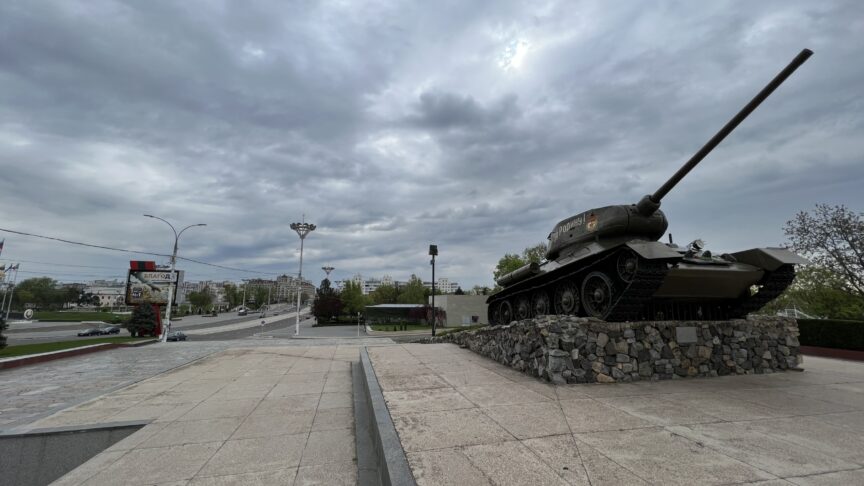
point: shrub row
(828, 333)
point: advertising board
(148, 287)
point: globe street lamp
(167, 327)
(302, 230)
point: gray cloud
(473, 125)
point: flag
(14, 267)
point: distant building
(108, 296)
(286, 288)
(368, 285)
(463, 310)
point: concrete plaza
(266, 415)
(463, 419)
(280, 411)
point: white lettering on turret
(568, 226)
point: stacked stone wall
(567, 349)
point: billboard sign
(148, 287)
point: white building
(108, 296)
(369, 285)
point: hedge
(829, 333)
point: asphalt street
(45, 332)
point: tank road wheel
(523, 308)
(597, 293)
(494, 314)
(540, 303)
(566, 299)
(505, 312)
(627, 264)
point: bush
(829, 333)
(142, 322)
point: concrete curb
(367, 457)
(398, 333)
(393, 466)
(66, 353)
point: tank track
(772, 285)
(628, 304)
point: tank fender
(653, 250)
(769, 258)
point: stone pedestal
(567, 349)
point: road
(278, 323)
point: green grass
(409, 327)
(58, 316)
(25, 349)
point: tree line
(331, 303)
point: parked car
(95, 331)
(110, 330)
(242, 312)
(176, 336)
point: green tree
(459, 291)
(142, 322)
(819, 292)
(233, 295)
(414, 292)
(833, 238)
(385, 294)
(480, 290)
(88, 299)
(353, 300)
(511, 261)
(40, 291)
(327, 304)
(535, 253)
(260, 294)
(201, 300)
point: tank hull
(638, 279)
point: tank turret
(607, 262)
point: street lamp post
(433, 251)
(302, 230)
(167, 328)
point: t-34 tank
(608, 263)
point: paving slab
(30, 393)
(465, 419)
(235, 431)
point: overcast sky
(392, 125)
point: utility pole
(173, 281)
(12, 290)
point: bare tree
(833, 238)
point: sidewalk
(267, 415)
(463, 419)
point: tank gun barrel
(649, 204)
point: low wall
(567, 349)
(39, 457)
